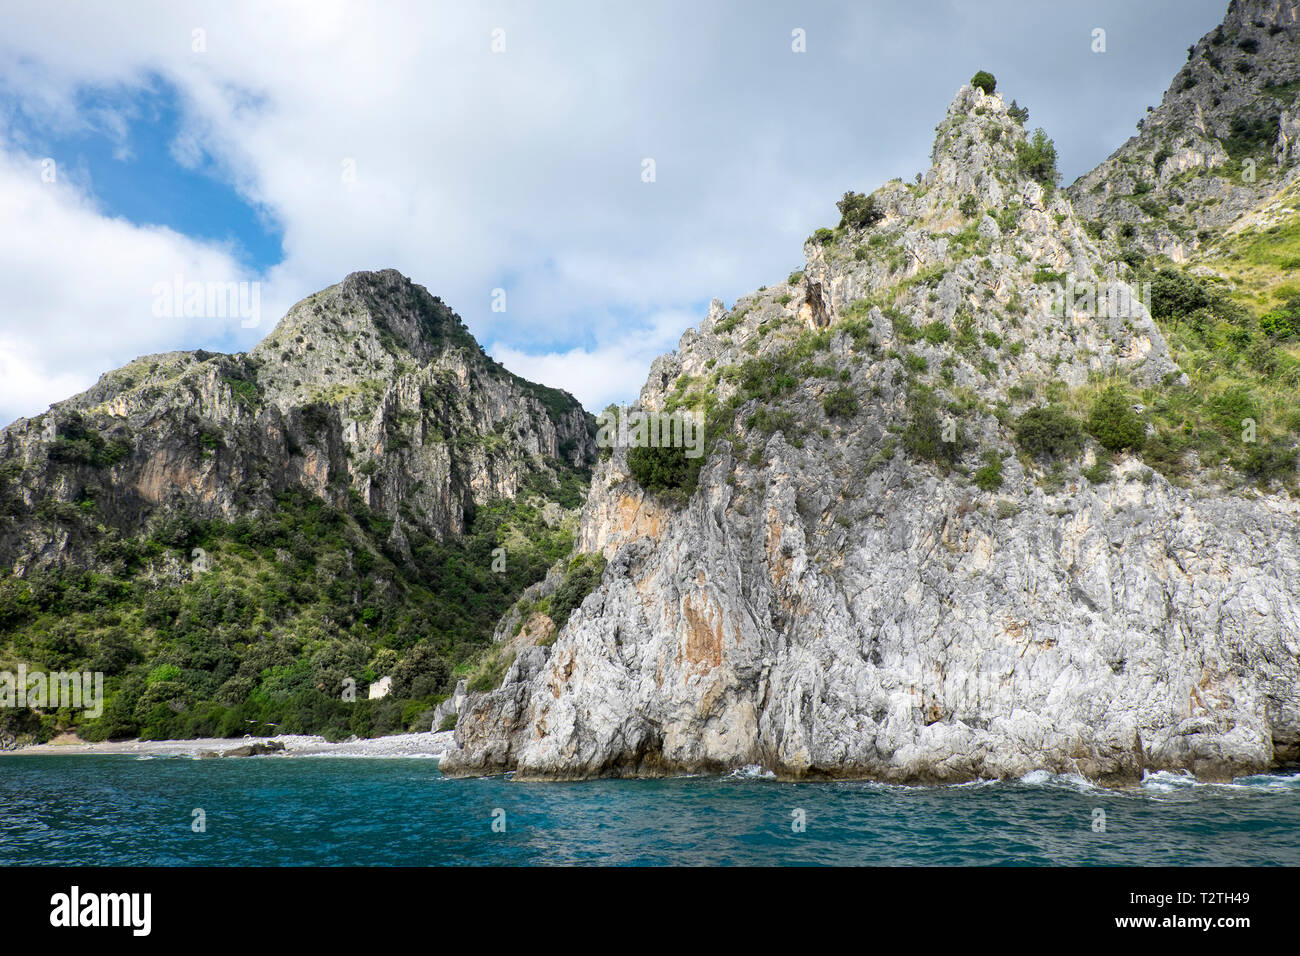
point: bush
(1018, 113)
(989, 478)
(1282, 323)
(581, 578)
(422, 673)
(79, 444)
(1036, 158)
(970, 206)
(983, 80)
(16, 602)
(858, 211)
(1114, 423)
(927, 434)
(1231, 408)
(1269, 460)
(1098, 474)
(664, 469)
(1049, 431)
(841, 403)
(1176, 295)
(823, 235)
(936, 332)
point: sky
(496, 153)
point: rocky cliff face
(1224, 140)
(879, 571)
(241, 543)
(371, 389)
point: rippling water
(124, 810)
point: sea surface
(323, 811)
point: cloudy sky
(482, 146)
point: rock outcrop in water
(879, 571)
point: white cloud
(610, 372)
(79, 287)
(477, 170)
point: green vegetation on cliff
(295, 604)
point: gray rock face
(827, 604)
(1103, 631)
(371, 387)
(1222, 140)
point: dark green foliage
(970, 206)
(1049, 431)
(567, 487)
(1267, 461)
(989, 477)
(1283, 322)
(1100, 473)
(16, 601)
(1177, 295)
(1113, 422)
(317, 421)
(841, 403)
(301, 597)
(1231, 408)
(665, 468)
(903, 327)
(1036, 158)
(22, 723)
(79, 444)
(243, 384)
(823, 236)
(930, 433)
(1250, 135)
(422, 672)
(858, 211)
(936, 332)
(1018, 113)
(559, 405)
(983, 80)
(581, 578)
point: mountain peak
(365, 328)
(1222, 140)
(975, 147)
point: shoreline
(431, 745)
(435, 745)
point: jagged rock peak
(386, 303)
(1222, 141)
(976, 140)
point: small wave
(1069, 781)
(1269, 781)
(752, 772)
(1166, 781)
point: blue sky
(125, 156)
(214, 140)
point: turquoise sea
(127, 810)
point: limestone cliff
(898, 560)
(241, 543)
(371, 388)
(1224, 140)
